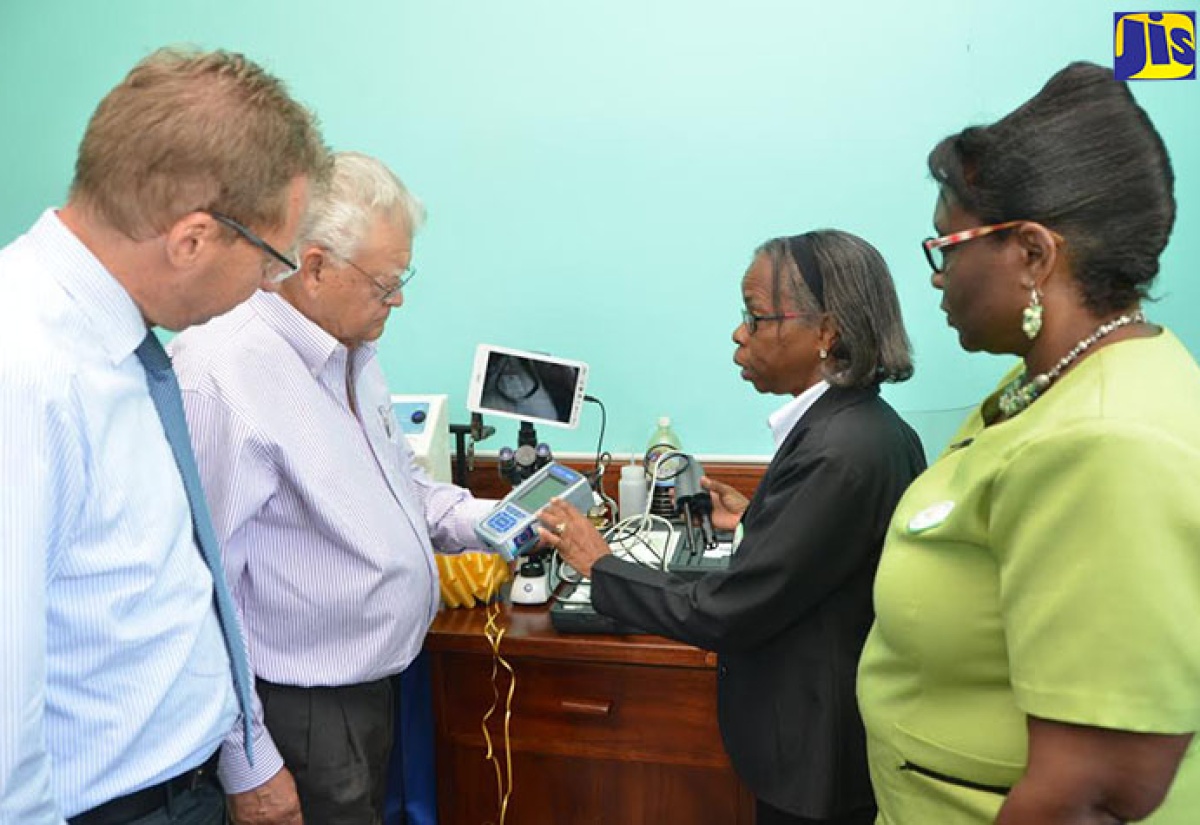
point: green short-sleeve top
(1047, 565)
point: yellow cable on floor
(465, 580)
(494, 633)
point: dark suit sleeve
(820, 519)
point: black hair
(1082, 158)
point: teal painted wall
(597, 175)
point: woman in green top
(1036, 651)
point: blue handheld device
(511, 527)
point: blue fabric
(164, 391)
(412, 781)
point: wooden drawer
(559, 790)
(625, 712)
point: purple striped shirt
(326, 524)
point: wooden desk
(605, 729)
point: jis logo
(1154, 45)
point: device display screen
(538, 496)
(529, 388)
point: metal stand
(464, 449)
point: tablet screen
(528, 386)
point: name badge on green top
(930, 517)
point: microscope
(528, 387)
(518, 464)
(531, 585)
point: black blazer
(790, 615)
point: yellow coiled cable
(504, 780)
(467, 579)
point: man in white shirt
(327, 526)
(122, 667)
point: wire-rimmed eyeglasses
(752, 321)
(390, 288)
(250, 237)
(935, 248)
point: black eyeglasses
(289, 265)
(387, 290)
(752, 321)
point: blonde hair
(187, 131)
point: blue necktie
(164, 391)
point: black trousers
(764, 814)
(336, 741)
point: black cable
(603, 424)
(649, 460)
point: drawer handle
(585, 707)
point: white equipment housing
(425, 421)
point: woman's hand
(728, 504)
(570, 533)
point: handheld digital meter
(511, 527)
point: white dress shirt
(326, 524)
(784, 419)
(113, 670)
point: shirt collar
(316, 347)
(786, 417)
(110, 310)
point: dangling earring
(1031, 316)
(823, 353)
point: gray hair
(860, 298)
(360, 189)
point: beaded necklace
(1024, 390)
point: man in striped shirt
(116, 667)
(328, 528)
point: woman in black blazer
(789, 616)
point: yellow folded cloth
(470, 578)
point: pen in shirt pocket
(385, 417)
